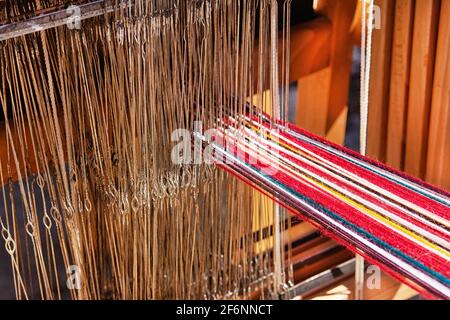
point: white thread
(366, 55)
(366, 48)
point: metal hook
(29, 228)
(124, 205)
(56, 215)
(135, 204)
(144, 50)
(47, 221)
(87, 204)
(5, 233)
(120, 32)
(69, 211)
(10, 246)
(40, 181)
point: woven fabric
(395, 221)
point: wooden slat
(422, 69)
(399, 87)
(390, 289)
(319, 247)
(330, 261)
(379, 82)
(319, 264)
(438, 160)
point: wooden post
(322, 96)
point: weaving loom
(96, 97)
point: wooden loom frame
(320, 54)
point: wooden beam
(310, 47)
(310, 50)
(322, 96)
(341, 13)
(52, 18)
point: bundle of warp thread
(395, 221)
(88, 121)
